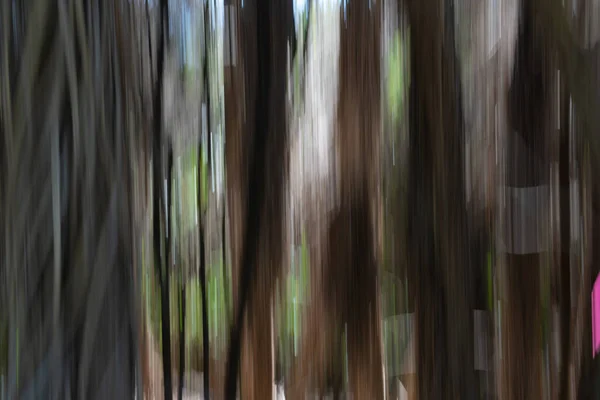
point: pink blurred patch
(596, 316)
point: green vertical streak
(490, 286)
(204, 180)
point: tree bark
(66, 209)
(440, 268)
(162, 274)
(202, 260)
(530, 123)
(565, 246)
(263, 224)
(264, 28)
(182, 304)
(348, 264)
(202, 244)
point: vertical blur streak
(205, 346)
(527, 163)
(182, 305)
(437, 221)
(565, 241)
(161, 263)
(255, 193)
(202, 261)
(258, 254)
(67, 231)
(423, 137)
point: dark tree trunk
(148, 20)
(588, 386)
(527, 166)
(565, 246)
(182, 304)
(165, 295)
(265, 67)
(71, 311)
(202, 260)
(255, 191)
(162, 265)
(441, 270)
(205, 344)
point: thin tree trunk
(237, 145)
(166, 283)
(162, 273)
(202, 259)
(224, 256)
(205, 344)
(565, 247)
(182, 304)
(148, 20)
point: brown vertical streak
(347, 264)
(260, 250)
(565, 245)
(440, 269)
(530, 121)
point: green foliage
(215, 285)
(217, 321)
(215, 299)
(189, 170)
(290, 309)
(190, 73)
(398, 77)
(189, 166)
(204, 182)
(297, 290)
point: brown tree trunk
(565, 246)
(237, 106)
(527, 168)
(344, 277)
(258, 254)
(358, 134)
(440, 269)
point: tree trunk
(441, 270)
(203, 294)
(182, 303)
(527, 167)
(161, 264)
(67, 201)
(165, 289)
(565, 246)
(263, 221)
(348, 264)
(201, 238)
